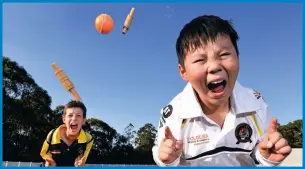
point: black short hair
(74, 104)
(201, 30)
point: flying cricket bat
(65, 81)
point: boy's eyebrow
(196, 53)
(226, 48)
(202, 53)
(199, 55)
(76, 112)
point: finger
(272, 126)
(280, 144)
(169, 143)
(166, 157)
(78, 162)
(179, 144)
(168, 133)
(285, 150)
(273, 139)
(167, 150)
(83, 158)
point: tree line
(28, 117)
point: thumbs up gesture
(274, 147)
(170, 148)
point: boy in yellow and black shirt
(69, 144)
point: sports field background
(294, 159)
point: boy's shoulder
(249, 94)
(88, 136)
(172, 106)
(50, 134)
(251, 100)
(169, 113)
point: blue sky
(128, 78)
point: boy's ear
(183, 73)
(84, 121)
(63, 118)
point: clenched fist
(274, 147)
(170, 149)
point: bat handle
(75, 95)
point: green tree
(26, 107)
(28, 118)
(104, 137)
(293, 133)
(145, 137)
(123, 150)
(56, 116)
(144, 142)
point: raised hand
(170, 148)
(274, 147)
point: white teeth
(217, 82)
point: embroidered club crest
(243, 133)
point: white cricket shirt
(205, 143)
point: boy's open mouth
(217, 86)
(73, 126)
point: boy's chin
(217, 101)
(73, 132)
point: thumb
(272, 126)
(83, 158)
(168, 133)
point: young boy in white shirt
(215, 121)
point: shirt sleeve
(44, 153)
(174, 123)
(87, 151)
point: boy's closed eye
(224, 54)
(199, 60)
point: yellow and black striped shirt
(64, 155)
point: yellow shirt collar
(56, 137)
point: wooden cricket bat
(65, 81)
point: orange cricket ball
(104, 23)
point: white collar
(242, 101)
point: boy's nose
(214, 67)
(73, 117)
